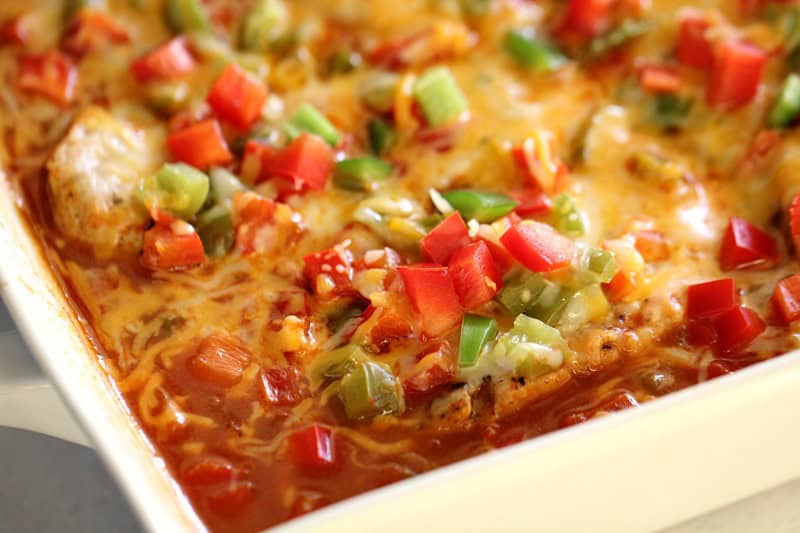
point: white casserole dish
(640, 470)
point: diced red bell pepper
(737, 328)
(786, 298)
(330, 272)
(201, 145)
(313, 448)
(617, 402)
(586, 17)
(282, 386)
(237, 97)
(794, 220)
(537, 159)
(502, 259)
(91, 31)
(173, 246)
(711, 298)
(735, 75)
(208, 471)
(746, 246)
(51, 74)
(254, 161)
(431, 292)
(538, 247)
(701, 332)
(170, 61)
(694, 48)
(659, 79)
(443, 240)
(305, 164)
(475, 275)
(620, 286)
(531, 202)
(251, 213)
(220, 360)
(433, 370)
(13, 31)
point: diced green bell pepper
(566, 217)
(378, 91)
(215, 228)
(669, 111)
(336, 364)
(531, 52)
(439, 97)
(584, 306)
(520, 295)
(787, 106)
(370, 389)
(381, 136)
(178, 188)
(263, 24)
(224, 186)
(308, 119)
(482, 206)
(476, 331)
(186, 16)
(627, 30)
(361, 173)
(530, 347)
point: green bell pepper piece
(370, 389)
(482, 206)
(336, 364)
(787, 106)
(531, 52)
(361, 173)
(381, 136)
(215, 228)
(439, 97)
(308, 119)
(186, 16)
(476, 331)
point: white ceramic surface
(640, 470)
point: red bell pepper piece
(251, 213)
(231, 499)
(786, 298)
(170, 61)
(51, 74)
(532, 202)
(201, 145)
(443, 240)
(694, 49)
(620, 286)
(502, 259)
(746, 246)
(711, 298)
(330, 272)
(475, 275)
(794, 219)
(13, 31)
(658, 79)
(431, 292)
(735, 75)
(538, 247)
(586, 17)
(91, 31)
(237, 97)
(173, 246)
(282, 386)
(220, 360)
(304, 164)
(433, 370)
(651, 245)
(312, 448)
(736, 328)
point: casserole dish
(642, 470)
(316, 248)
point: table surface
(51, 485)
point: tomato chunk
(443, 240)
(735, 75)
(434, 369)
(737, 328)
(305, 164)
(51, 74)
(282, 386)
(201, 145)
(169, 61)
(251, 214)
(746, 246)
(330, 272)
(208, 471)
(431, 292)
(586, 17)
(711, 298)
(172, 246)
(694, 49)
(786, 298)
(538, 246)
(312, 448)
(220, 360)
(475, 275)
(91, 31)
(237, 97)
